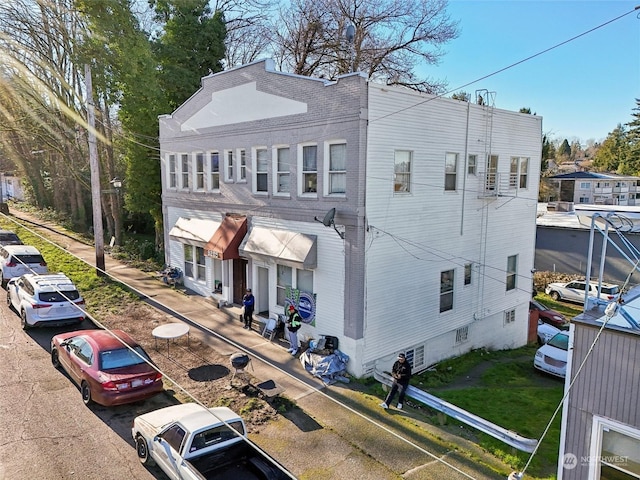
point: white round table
(170, 331)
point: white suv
(16, 260)
(574, 291)
(45, 300)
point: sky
(582, 89)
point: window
(200, 263)
(467, 274)
(446, 290)
(283, 280)
(492, 172)
(472, 164)
(402, 171)
(228, 166)
(524, 172)
(243, 166)
(462, 335)
(200, 171)
(615, 450)
(509, 316)
(304, 280)
(450, 171)
(512, 269)
(513, 173)
(337, 168)
(174, 436)
(282, 170)
(309, 169)
(214, 170)
(173, 179)
(261, 180)
(415, 357)
(584, 200)
(585, 185)
(188, 260)
(184, 170)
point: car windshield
(30, 259)
(62, 296)
(610, 290)
(122, 357)
(538, 305)
(560, 340)
(11, 238)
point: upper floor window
(472, 164)
(200, 171)
(337, 168)
(450, 171)
(518, 172)
(402, 171)
(512, 271)
(309, 169)
(446, 290)
(585, 185)
(467, 274)
(214, 170)
(260, 177)
(283, 169)
(173, 175)
(242, 173)
(228, 165)
(184, 170)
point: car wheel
(555, 295)
(142, 449)
(55, 358)
(23, 320)
(85, 389)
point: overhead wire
(246, 351)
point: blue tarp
(328, 368)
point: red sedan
(109, 366)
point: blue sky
(582, 89)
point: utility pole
(94, 165)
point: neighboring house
(596, 188)
(10, 187)
(600, 431)
(430, 247)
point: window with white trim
(509, 316)
(450, 171)
(242, 169)
(337, 181)
(513, 173)
(194, 262)
(524, 172)
(467, 273)
(283, 170)
(583, 200)
(184, 170)
(228, 165)
(199, 171)
(472, 164)
(188, 260)
(615, 450)
(304, 280)
(585, 185)
(518, 172)
(402, 171)
(260, 179)
(173, 174)
(446, 290)
(284, 279)
(214, 170)
(512, 272)
(309, 162)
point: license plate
(136, 383)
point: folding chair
(270, 328)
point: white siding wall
(413, 238)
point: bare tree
(391, 39)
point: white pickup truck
(191, 442)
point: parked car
(552, 356)
(547, 315)
(574, 291)
(110, 367)
(547, 331)
(16, 260)
(7, 237)
(45, 300)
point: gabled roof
(591, 176)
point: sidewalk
(328, 440)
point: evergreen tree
(633, 139)
(612, 156)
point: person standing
(249, 302)
(293, 325)
(401, 373)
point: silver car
(575, 291)
(17, 260)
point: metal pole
(95, 176)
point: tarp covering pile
(328, 368)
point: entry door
(262, 297)
(239, 280)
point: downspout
(464, 171)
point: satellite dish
(327, 221)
